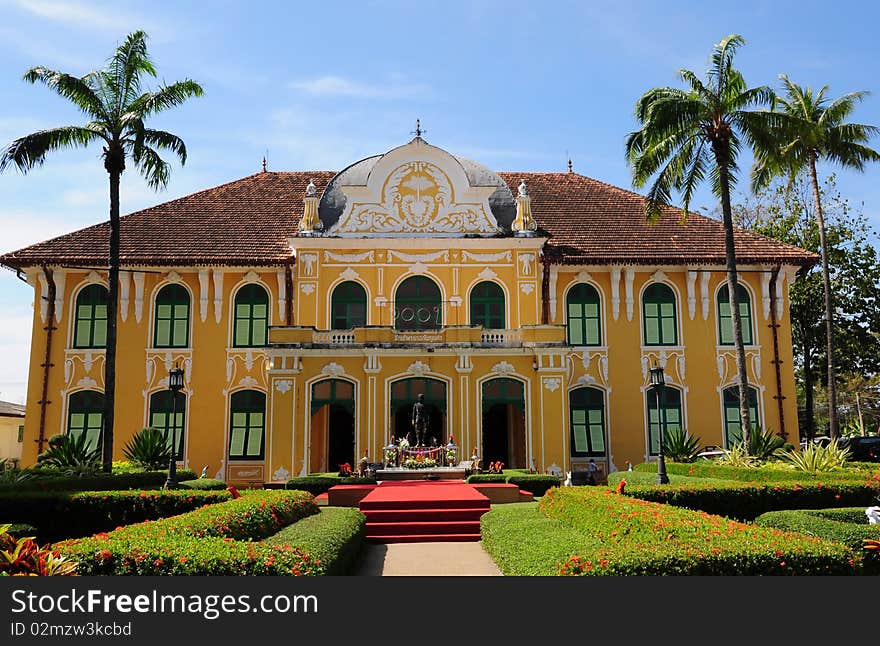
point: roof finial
(311, 189)
(264, 163)
(570, 166)
(418, 131)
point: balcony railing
(386, 336)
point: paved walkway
(426, 559)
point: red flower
(105, 554)
(621, 486)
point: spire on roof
(264, 163)
(418, 131)
(570, 166)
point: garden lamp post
(175, 384)
(658, 382)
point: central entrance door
(504, 423)
(404, 394)
(332, 431)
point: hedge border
(334, 536)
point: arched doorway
(404, 394)
(332, 430)
(504, 423)
(417, 305)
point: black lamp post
(658, 382)
(175, 384)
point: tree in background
(815, 129)
(691, 135)
(113, 101)
(786, 211)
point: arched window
(417, 305)
(170, 422)
(90, 326)
(172, 317)
(658, 308)
(582, 311)
(587, 422)
(670, 413)
(725, 320)
(348, 306)
(85, 414)
(247, 425)
(732, 418)
(251, 316)
(487, 305)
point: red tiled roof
(249, 221)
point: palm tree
(814, 129)
(113, 100)
(689, 135)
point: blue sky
(514, 85)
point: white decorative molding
(283, 385)
(659, 276)
(248, 382)
(203, 294)
(173, 277)
(765, 293)
(217, 277)
(333, 369)
(587, 380)
(281, 277)
(756, 365)
(124, 293)
(603, 367)
(663, 359)
(552, 383)
(419, 257)
(416, 189)
(486, 257)
(455, 301)
(503, 368)
(251, 277)
(60, 277)
(790, 277)
(151, 368)
(94, 277)
(349, 274)
(487, 274)
(692, 297)
(615, 292)
(138, 278)
(644, 366)
(44, 295)
(554, 277)
(307, 288)
(704, 292)
(308, 261)
(230, 367)
(87, 382)
(349, 257)
(527, 288)
(418, 268)
(281, 474)
(418, 368)
(380, 301)
(372, 365)
(463, 363)
(525, 263)
(629, 275)
(88, 361)
(249, 360)
(68, 369)
(680, 366)
(583, 276)
(721, 371)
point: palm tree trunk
(112, 309)
(733, 293)
(829, 317)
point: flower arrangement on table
(420, 461)
(344, 470)
(496, 467)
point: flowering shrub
(51, 480)
(214, 540)
(419, 462)
(23, 557)
(333, 537)
(58, 515)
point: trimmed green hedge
(478, 478)
(213, 540)
(536, 483)
(648, 478)
(593, 531)
(316, 485)
(21, 530)
(61, 514)
(47, 480)
(333, 537)
(708, 469)
(203, 484)
(744, 501)
(848, 526)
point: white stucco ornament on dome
(416, 190)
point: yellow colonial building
(310, 309)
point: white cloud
(337, 86)
(74, 14)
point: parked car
(863, 449)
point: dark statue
(420, 420)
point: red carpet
(422, 511)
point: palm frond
(129, 62)
(165, 97)
(155, 170)
(29, 151)
(76, 90)
(840, 108)
(166, 141)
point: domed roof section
(333, 200)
